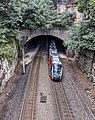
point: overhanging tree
(83, 36)
(34, 14)
(10, 19)
(39, 14)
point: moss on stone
(7, 50)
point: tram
(55, 65)
(56, 70)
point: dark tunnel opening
(32, 43)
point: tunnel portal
(32, 43)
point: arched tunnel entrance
(32, 43)
(32, 46)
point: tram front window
(56, 70)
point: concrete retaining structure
(86, 61)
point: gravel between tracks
(45, 110)
(16, 101)
(12, 96)
(75, 89)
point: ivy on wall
(7, 50)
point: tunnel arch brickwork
(63, 35)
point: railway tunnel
(32, 43)
(32, 46)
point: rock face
(6, 71)
(70, 53)
(86, 61)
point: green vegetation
(55, 3)
(40, 14)
(7, 50)
(83, 36)
(64, 21)
(16, 15)
(10, 20)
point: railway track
(79, 95)
(63, 108)
(29, 101)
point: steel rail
(82, 102)
(64, 111)
(31, 88)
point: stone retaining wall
(86, 61)
(6, 71)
